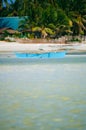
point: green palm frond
(49, 31)
(36, 29)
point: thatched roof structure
(9, 30)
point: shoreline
(8, 47)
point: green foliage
(62, 17)
(49, 31)
(24, 24)
(51, 26)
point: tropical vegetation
(48, 18)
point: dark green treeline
(64, 16)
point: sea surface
(43, 94)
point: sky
(8, 2)
(12, 0)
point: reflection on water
(48, 96)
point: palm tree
(79, 22)
(65, 15)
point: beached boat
(42, 55)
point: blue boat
(42, 55)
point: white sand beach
(38, 48)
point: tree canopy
(62, 16)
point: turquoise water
(43, 94)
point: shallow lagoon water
(43, 94)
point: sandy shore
(40, 48)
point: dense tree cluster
(62, 17)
